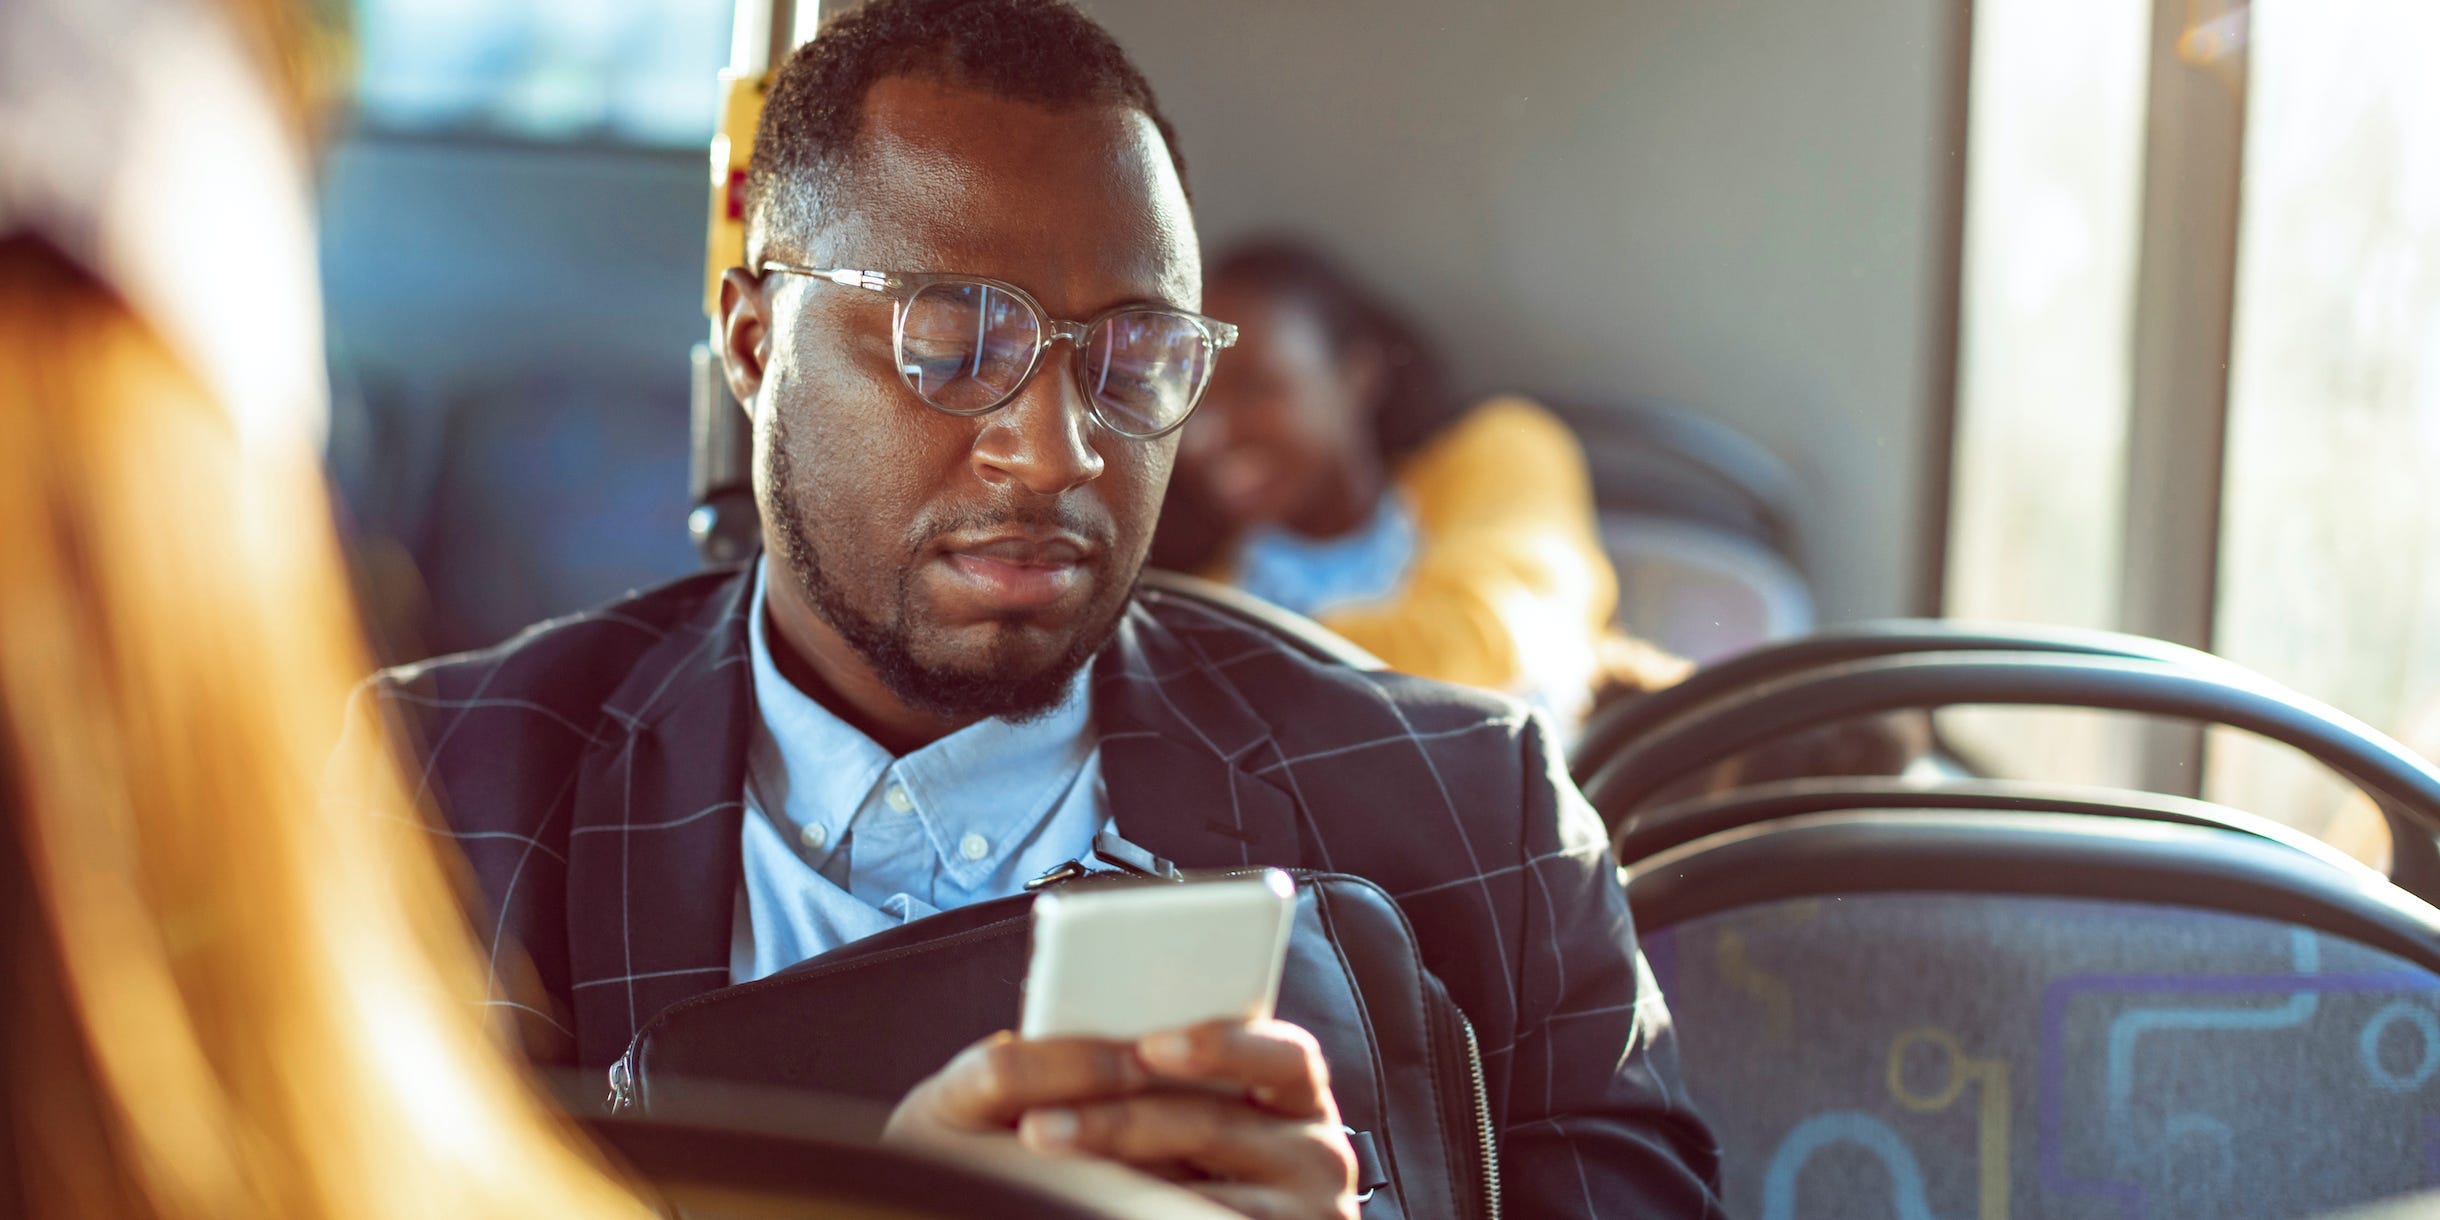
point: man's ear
(745, 333)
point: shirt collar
(981, 793)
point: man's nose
(1043, 440)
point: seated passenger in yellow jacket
(1331, 472)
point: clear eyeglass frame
(902, 288)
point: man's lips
(1024, 550)
(1017, 571)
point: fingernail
(1171, 1050)
(1050, 1128)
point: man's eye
(933, 369)
(1134, 374)
(918, 349)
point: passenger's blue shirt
(842, 840)
(1316, 576)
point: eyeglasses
(966, 345)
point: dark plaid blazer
(592, 769)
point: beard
(1000, 687)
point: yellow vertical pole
(741, 99)
(724, 524)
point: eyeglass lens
(966, 346)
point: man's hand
(1240, 1113)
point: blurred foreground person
(221, 1002)
(1332, 471)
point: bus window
(2330, 554)
(2054, 185)
(2282, 514)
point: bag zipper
(1482, 1118)
(622, 1086)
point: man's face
(970, 564)
(1287, 423)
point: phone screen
(1122, 962)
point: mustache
(1069, 518)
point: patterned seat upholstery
(1882, 1053)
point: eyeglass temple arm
(846, 277)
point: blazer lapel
(653, 855)
(1176, 740)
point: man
(938, 682)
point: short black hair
(1042, 52)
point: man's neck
(849, 690)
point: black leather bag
(870, 1019)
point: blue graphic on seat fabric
(1843, 1127)
(1908, 1055)
(2118, 1070)
(2368, 1047)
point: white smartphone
(1127, 961)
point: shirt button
(814, 835)
(899, 800)
(974, 847)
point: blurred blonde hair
(224, 1000)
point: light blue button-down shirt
(842, 840)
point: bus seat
(1295, 630)
(1698, 520)
(1672, 462)
(1699, 591)
(1620, 723)
(1647, 832)
(553, 493)
(1661, 754)
(741, 1152)
(2038, 1015)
